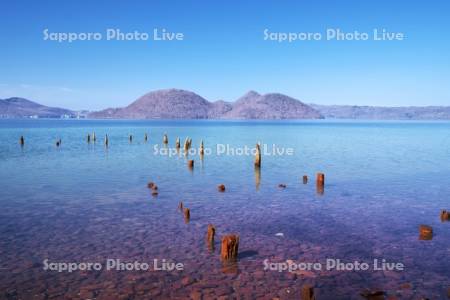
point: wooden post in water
(308, 292)
(131, 138)
(106, 140)
(445, 215)
(320, 183)
(258, 156)
(180, 206)
(210, 234)
(58, 143)
(202, 148)
(177, 143)
(22, 140)
(186, 144)
(187, 215)
(210, 237)
(230, 247)
(165, 139)
(94, 139)
(88, 138)
(425, 232)
(305, 179)
(191, 164)
(145, 137)
(221, 188)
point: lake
(83, 202)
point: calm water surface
(86, 203)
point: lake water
(83, 202)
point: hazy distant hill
(383, 113)
(161, 104)
(181, 104)
(270, 106)
(23, 108)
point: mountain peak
(252, 93)
(17, 107)
(182, 104)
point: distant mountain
(383, 113)
(270, 106)
(23, 108)
(218, 109)
(181, 104)
(161, 104)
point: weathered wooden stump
(320, 183)
(58, 143)
(445, 215)
(22, 140)
(165, 139)
(258, 156)
(145, 137)
(221, 188)
(305, 179)
(320, 179)
(307, 292)
(106, 140)
(191, 164)
(150, 184)
(130, 138)
(180, 206)
(187, 215)
(210, 234)
(154, 193)
(88, 138)
(94, 139)
(177, 143)
(230, 247)
(186, 144)
(210, 237)
(202, 148)
(425, 232)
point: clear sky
(224, 54)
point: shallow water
(83, 202)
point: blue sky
(224, 54)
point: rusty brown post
(221, 188)
(187, 215)
(191, 164)
(308, 292)
(425, 232)
(258, 156)
(230, 247)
